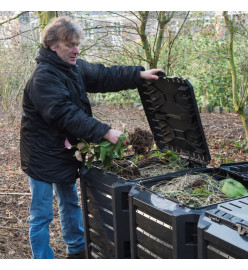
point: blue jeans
(41, 215)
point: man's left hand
(150, 74)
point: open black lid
(173, 116)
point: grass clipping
(193, 190)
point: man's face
(67, 51)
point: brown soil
(196, 183)
(141, 141)
(220, 129)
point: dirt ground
(220, 131)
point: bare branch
(124, 17)
(20, 33)
(13, 18)
(180, 28)
(97, 40)
(134, 14)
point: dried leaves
(14, 242)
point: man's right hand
(113, 135)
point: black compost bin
(106, 214)
(173, 116)
(162, 227)
(223, 231)
(238, 169)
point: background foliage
(193, 46)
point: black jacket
(55, 106)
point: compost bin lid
(233, 214)
(172, 113)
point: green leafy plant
(158, 154)
(137, 158)
(202, 191)
(241, 145)
(171, 155)
(233, 188)
(176, 162)
(104, 151)
(227, 160)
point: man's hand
(113, 136)
(150, 74)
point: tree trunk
(152, 57)
(239, 108)
(45, 17)
(244, 119)
(142, 33)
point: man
(56, 107)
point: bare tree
(141, 38)
(136, 38)
(239, 82)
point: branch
(180, 29)
(16, 35)
(134, 14)
(124, 50)
(229, 24)
(97, 40)
(14, 193)
(13, 18)
(142, 33)
(124, 17)
(156, 35)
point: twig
(14, 193)
(5, 217)
(13, 18)
(13, 228)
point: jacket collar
(51, 57)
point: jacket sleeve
(99, 78)
(52, 102)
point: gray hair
(60, 29)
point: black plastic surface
(238, 169)
(173, 116)
(223, 231)
(162, 227)
(105, 214)
(232, 214)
